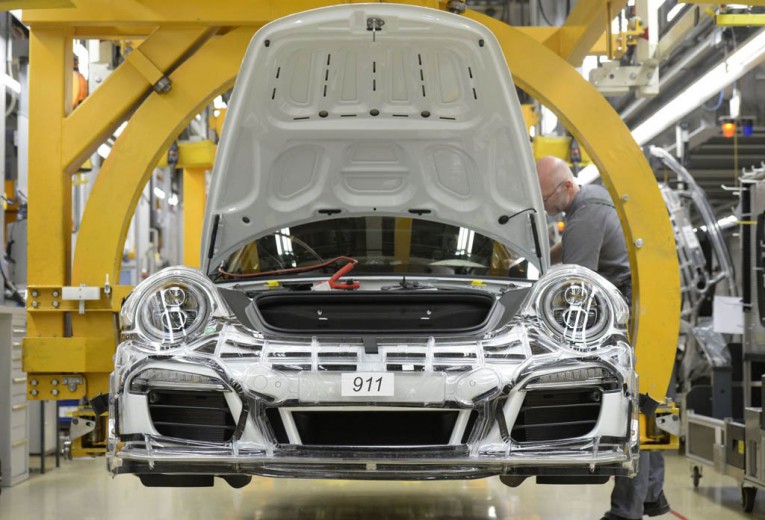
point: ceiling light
(674, 12)
(11, 84)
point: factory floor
(82, 490)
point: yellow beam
(232, 13)
(192, 154)
(582, 29)
(632, 185)
(194, 201)
(750, 2)
(104, 110)
(402, 245)
(8, 5)
(50, 217)
(740, 20)
(68, 355)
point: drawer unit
(14, 408)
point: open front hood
(331, 118)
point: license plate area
(367, 384)
(328, 387)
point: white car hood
(329, 119)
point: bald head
(557, 184)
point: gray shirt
(594, 238)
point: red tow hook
(334, 284)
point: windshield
(380, 245)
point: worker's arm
(556, 253)
(583, 239)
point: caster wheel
(748, 495)
(696, 476)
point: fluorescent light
(11, 84)
(549, 121)
(159, 193)
(120, 128)
(727, 222)
(104, 150)
(674, 12)
(588, 174)
(219, 103)
(173, 200)
(739, 63)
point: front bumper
(490, 416)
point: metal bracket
(614, 79)
(669, 423)
(81, 294)
(81, 426)
(374, 24)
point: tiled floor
(83, 490)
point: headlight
(578, 307)
(174, 311)
(170, 307)
(576, 310)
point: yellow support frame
(204, 45)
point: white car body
(400, 119)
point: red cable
(332, 281)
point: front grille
(378, 428)
(197, 416)
(397, 357)
(553, 415)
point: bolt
(278, 384)
(54, 391)
(163, 86)
(33, 382)
(34, 392)
(35, 304)
(54, 382)
(472, 383)
(56, 304)
(55, 294)
(639, 243)
(35, 294)
(625, 198)
(633, 76)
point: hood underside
(330, 118)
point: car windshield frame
(376, 245)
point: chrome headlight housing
(577, 307)
(171, 307)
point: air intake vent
(240, 349)
(553, 415)
(405, 428)
(196, 416)
(328, 359)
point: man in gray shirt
(593, 238)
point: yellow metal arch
(632, 185)
(210, 70)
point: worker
(593, 238)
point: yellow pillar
(194, 197)
(50, 192)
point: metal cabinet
(14, 408)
